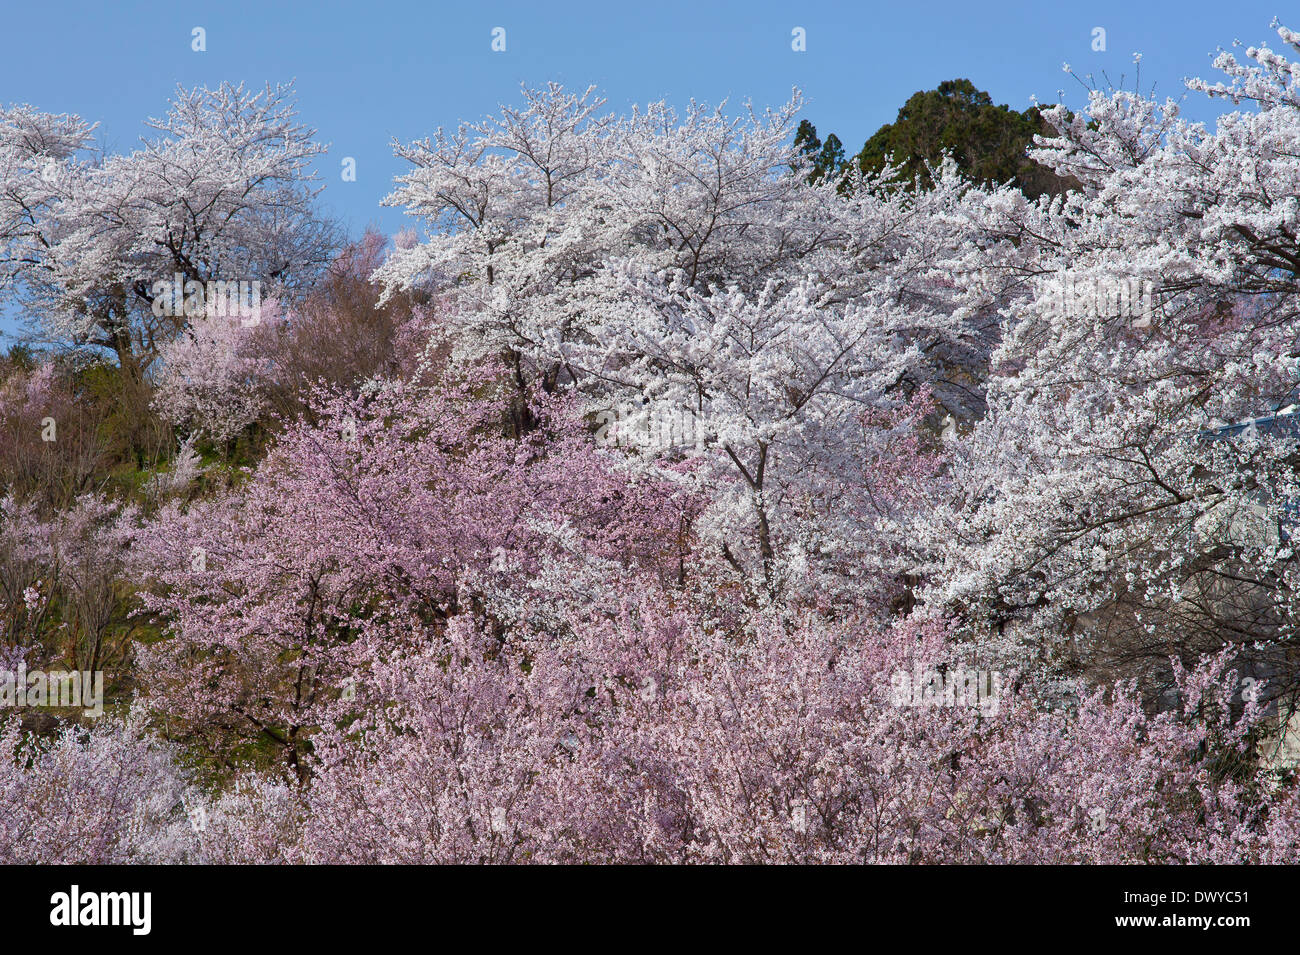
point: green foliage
(21, 356)
(987, 142)
(827, 157)
(131, 434)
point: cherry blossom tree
(686, 266)
(406, 498)
(647, 740)
(109, 794)
(216, 376)
(1129, 493)
(60, 582)
(221, 191)
(52, 444)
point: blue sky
(367, 72)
